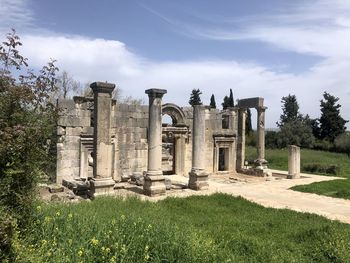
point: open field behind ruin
(278, 159)
(216, 228)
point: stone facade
(135, 132)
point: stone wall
(129, 125)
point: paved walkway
(274, 194)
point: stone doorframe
(180, 131)
(86, 149)
(243, 105)
(227, 142)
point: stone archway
(175, 112)
(174, 139)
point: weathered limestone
(102, 183)
(260, 162)
(242, 113)
(198, 176)
(293, 162)
(154, 179)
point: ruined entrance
(258, 104)
(174, 136)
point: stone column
(180, 144)
(154, 179)
(102, 182)
(260, 162)
(293, 162)
(242, 113)
(198, 176)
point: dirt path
(275, 194)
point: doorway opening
(223, 159)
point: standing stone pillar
(293, 162)
(154, 179)
(260, 162)
(198, 176)
(102, 182)
(242, 113)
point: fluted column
(102, 181)
(198, 179)
(154, 180)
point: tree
(195, 98)
(296, 132)
(290, 110)
(342, 143)
(27, 124)
(294, 127)
(212, 102)
(225, 104)
(331, 123)
(67, 85)
(228, 101)
(248, 122)
(231, 102)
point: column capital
(102, 87)
(261, 108)
(155, 93)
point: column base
(154, 183)
(198, 180)
(293, 176)
(103, 186)
(260, 164)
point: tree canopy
(212, 101)
(290, 110)
(331, 123)
(195, 98)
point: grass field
(278, 159)
(218, 228)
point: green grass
(278, 159)
(217, 228)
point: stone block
(198, 180)
(72, 121)
(103, 186)
(88, 130)
(65, 104)
(154, 184)
(61, 130)
(73, 131)
(55, 188)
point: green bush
(342, 143)
(320, 168)
(27, 124)
(8, 236)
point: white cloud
(15, 13)
(110, 60)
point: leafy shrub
(272, 139)
(342, 143)
(322, 169)
(8, 236)
(323, 145)
(251, 139)
(27, 123)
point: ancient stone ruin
(102, 142)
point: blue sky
(268, 48)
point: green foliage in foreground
(278, 159)
(218, 228)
